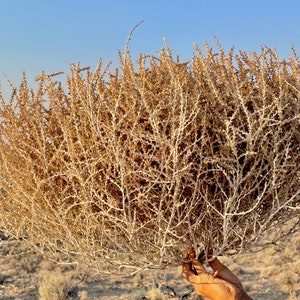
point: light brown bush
(155, 294)
(55, 286)
(133, 167)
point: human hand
(195, 273)
(192, 267)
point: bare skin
(221, 285)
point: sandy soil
(269, 274)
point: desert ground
(272, 273)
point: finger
(198, 267)
(210, 253)
(189, 274)
(216, 274)
(187, 266)
(190, 254)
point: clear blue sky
(48, 35)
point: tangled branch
(132, 167)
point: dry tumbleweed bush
(133, 167)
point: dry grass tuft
(83, 295)
(138, 280)
(55, 286)
(155, 294)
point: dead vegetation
(128, 169)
